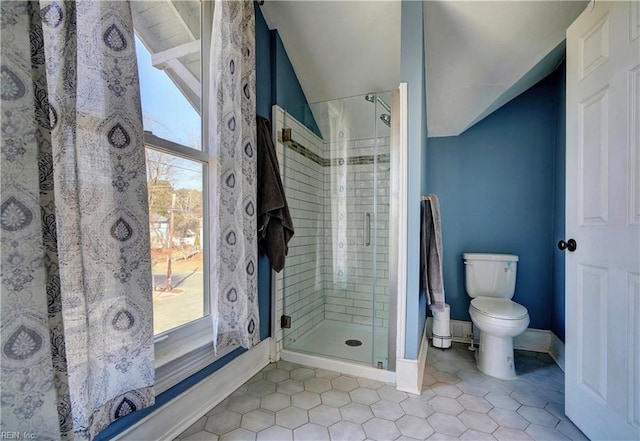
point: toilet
(490, 281)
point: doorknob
(570, 245)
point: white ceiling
(339, 48)
(477, 52)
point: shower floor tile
(329, 339)
(469, 406)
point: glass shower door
(382, 176)
(336, 177)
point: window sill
(187, 350)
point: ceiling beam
(160, 60)
(186, 77)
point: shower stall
(333, 296)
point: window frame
(183, 351)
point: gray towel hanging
(275, 227)
(431, 280)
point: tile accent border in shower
(323, 162)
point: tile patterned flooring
(286, 401)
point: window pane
(176, 225)
(168, 48)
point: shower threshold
(325, 347)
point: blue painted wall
(276, 83)
(497, 188)
(264, 101)
(412, 71)
(286, 88)
(558, 313)
(264, 98)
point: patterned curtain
(232, 139)
(76, 331)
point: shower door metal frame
(394, 158)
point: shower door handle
(367, 229)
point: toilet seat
(499, 308)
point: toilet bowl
(499, 320)
(490, 282)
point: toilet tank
(490, 275)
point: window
(170, 42)
(176, 224)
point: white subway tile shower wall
(303, 278)
(349, 287)
(318, 286)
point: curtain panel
(76, 331)
(232, 140)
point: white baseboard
(557, 351)
(536, 340)
(344, 367)
(460, 330)
(410, 373)
(170, 420)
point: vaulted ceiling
(479, 54)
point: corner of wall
(412, 71)
(409, 372)
(556, 351)
(286, 89)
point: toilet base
(495, 356)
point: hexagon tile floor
(286, 401)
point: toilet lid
(499, 308)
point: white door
(602, 379)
